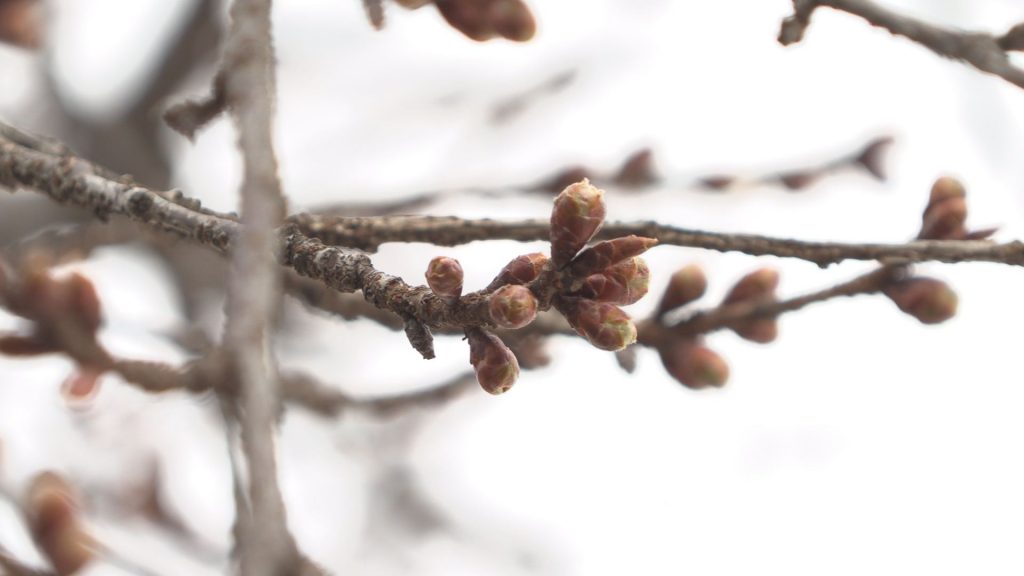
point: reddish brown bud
(624, 283)
(496, 366)
(796, 181)
(51, 507)
(760, 330)
(694, 365)
(758, 285)
(82, 301)
(637, 170)
(482, 20)
(717, 182)
(872, 158)
(444, 277)
(604, 325)
(685, 286)
(610, 252)
(521, 270)
(944, 188)
(944, 220)
(21, 23)
(577, 215)
(512, 20)
(25, 346)
(513, 306)
(929, 300)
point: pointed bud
(577, 215)
(608, 253)
(82, 301)
(51, 507)
(521, 270)
(512, 20)
(495, 365)
(685, 286)
(694, 365)
(757, 285)
(604, 325)
(624, 283)
(944, 220)
(513, 306)
(444, 277)
(872, 158)
(929, 300)
(637, 170)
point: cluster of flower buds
(483, 20)
(66, 316)
(599, 278)
(684, 355)
(51, 506)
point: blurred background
(859, 442)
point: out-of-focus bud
(51, 507)
(444, 277)
(796, 181)
(758, 286)
(872, 157)
(82, 301)
(694, 365)
(608, 253)
(563, 178)
(512, 20)
(929, 300)
(685, 286)
(25, 346)
(83, 384)
(531, 351)
(496, 366)
(717, 182)
(521, 270)
(604, 325)
(577, 215)
(21, 23)
(623, 283)
(946, 213)
(637, 170)
(412, 4)
(513, 306)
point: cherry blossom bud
(521, 270)
(608, 253)
(929, 300)
(82, 301)
(637, 170)
(496, 366)
(623, 283)
(944, 220)
(21, 23)
(758, 285)
(513, 306)
(577, 215)
(604, 325)
(694, 365)
(944, 188)
(872, 158)
(685, 286)
(51, 507)
(512, 20)
(444, 277)
(717, 182)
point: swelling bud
(577, 215)
(512, 306)
(495, 365)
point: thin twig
(984, 52)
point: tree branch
(984, 52)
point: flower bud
(495, 365)
(929, 300)
(685, 286)
(21, 23)
(637, 170)
(513, 306)
(521, 270)
(468, 17)
(796, 181)
(758, 285)
(82, 301)
(623, 283)
(512, 20)
(944, 220)
(608, 253)
(444, 277)
(82, 385)
(872, 157)
(604, 325)
(51, 507)
(945, 188)
(694, 365)
(577, 215)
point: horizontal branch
(370, 233)
(984, 52)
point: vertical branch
(254, 286)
